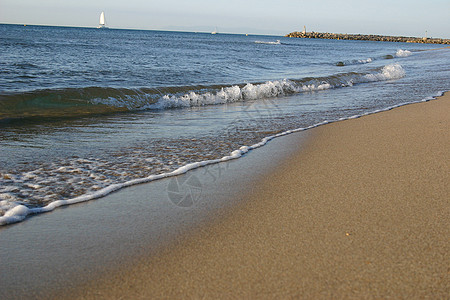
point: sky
(274, 17)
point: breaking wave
(399, 53)
(355, 62)
(402, 53)
(74, 102)
(277, 88)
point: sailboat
(102, 24)
(215, 31)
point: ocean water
(84, 112)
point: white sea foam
(402, 53)
(231, 94)
(389, 72)
(316, 87)
(276, 88)
(14, 212)
(399, 53)
(277, 42)
(355, 62)
(365, 61)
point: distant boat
(102, 24)
(215, 31)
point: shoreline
(110, 248)
(56, 252)
(362, 212)
(367, 37)
(20, 212)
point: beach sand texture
(363, 212)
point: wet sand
(362, 212)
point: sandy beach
(362, 212)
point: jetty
(367, 37)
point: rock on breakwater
(369, 37)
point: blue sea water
(86, 111)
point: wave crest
(277, 88)
(399, 53)
(70, 103)
(389, 72)
(402, 53)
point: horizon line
(201, 31)
(138, 29)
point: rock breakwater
(369, 37)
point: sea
(85, 112)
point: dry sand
(363, 212)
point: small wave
(355, 62)
(394, 71)
(277, 42)
(14, 212)
(399, 53)
(72, 103)
(402, 53)
(25, 66)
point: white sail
(102, 22)
(102, 19)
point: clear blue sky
(409, 18)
